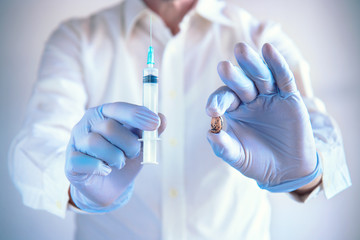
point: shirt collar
(133, 10)
(211, 10)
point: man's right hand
(104, 155)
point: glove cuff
(292, 185)
(85, 204)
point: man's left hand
(269, 136)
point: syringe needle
(150, 29)
(150, 100)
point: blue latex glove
(104, 154)
(269, 136)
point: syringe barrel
(150, 100)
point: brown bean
(216, 124)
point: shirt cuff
(55, 203)
(329, 147)
(336, 176)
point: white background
(326, 31)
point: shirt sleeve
(327, 134)
(37, 154)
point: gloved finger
(132, 115)
(236, 79)
(283, 75)
(79, 163)
(227, 148)
(161, 128)
(95, 145)
(221, 101)
(254, 67)
(163, 123)
(118, 135)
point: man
(89, 90)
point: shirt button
(173, 142)
(172, 94)
(173, 193)
(58, 205)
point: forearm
(308, 188)
(71, 202)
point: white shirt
(191, 194)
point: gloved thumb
(163, 123)
(227, 148)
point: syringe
(150, 100)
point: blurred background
(328, 35)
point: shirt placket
(172, 143)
